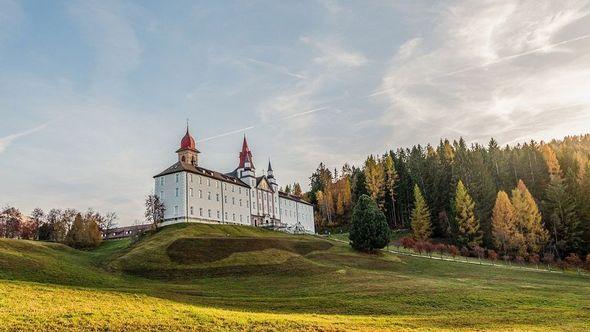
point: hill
(235, 277)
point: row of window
(209, 215)
(200, 179)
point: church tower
(271, 177)
(188, 152)
(246, 169)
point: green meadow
(206, 277)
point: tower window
(177, 177)
(176, 191)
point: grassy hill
(235, 277)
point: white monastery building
(192, 193)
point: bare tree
(154, 210)
(38, 217)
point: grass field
(205, 277)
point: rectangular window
(162, 181)
(217, 196)
(209, 182)
(201, 212)
(233, 217)
(240, 190)
(217, 214)
(191, 175)
(225, 199)
(191, 191)
(209, 213)
(177, 191)
(216, 184)
(209, 195)
(241, 218)
(200, 193)
(233, 200)
(240, 202)
(175, 210)
(162, 195)
(177, 177)
(200, 179)
(233, 189)
(226, 216)
(192, 211)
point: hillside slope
(235, 277)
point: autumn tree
(390, 184)
(528, 220)
(467, 225)
(374, 179)
(84, 232)
(505, 235)
(420, 220)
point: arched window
(183, 159)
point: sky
(95, 95)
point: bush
(369, 230)
(407, 242)
(453, 251)
(84, 233)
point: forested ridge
(522, 200)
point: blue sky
(94, 95)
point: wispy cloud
(8, 140)
(498, 61)
(277, 68)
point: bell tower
(188, 152)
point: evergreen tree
(368, 230)
(563, 223)
(421, 227)
(468, 233)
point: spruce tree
(368, 229)
(468, 233)
(564, 225)
(420, 221)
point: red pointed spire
(245, 155)
(187, 142)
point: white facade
(191, 193)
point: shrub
(492, 255)
(464, 252)
(574, 261)
(369, 230)
(407, 242)
(534, 259)
(453, 251)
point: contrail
(489, 63)
(226, 134)
(7, 140)
(278, 68)
(315, 110)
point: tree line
(522, 201)
(69, 226)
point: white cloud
(485, 65)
